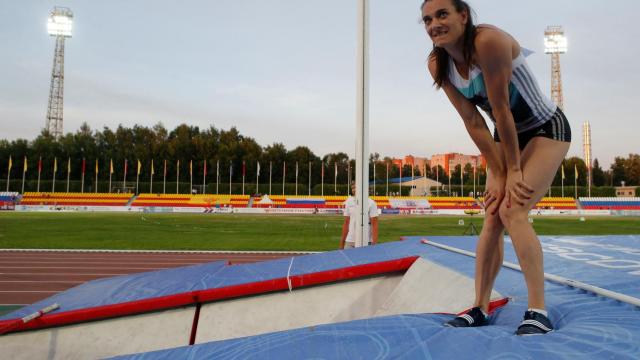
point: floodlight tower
(59, 25)
(586, 147)
(555, 43)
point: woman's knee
(493, 223)
(511, 214)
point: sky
(285, 70)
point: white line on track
(183, 263)
(62, 274)
(42, 281)
(161, 251)
(29, 291)
(81, 267)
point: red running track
(30, 276)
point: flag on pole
(84, 164)
(258, 168)
(10, 163)
(55, 170)
(24, 174)
(190, 167)
(204, 171)
(151, 178)
(96, 188)
(575, 167)
(139, 167)
(126, 165)
(69, 165)
(562, 171)
(110, 166)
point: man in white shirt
(347, 240)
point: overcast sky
(284, 70)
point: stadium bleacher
(185, 200)
(591, 203)
(74, 199)
(453, 202)
(558, 203)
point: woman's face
(444, 25)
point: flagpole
(322, 179)
(124, 177)
(296, 178)
(177, 176)
(449, 178)
(475, 164)
(39, 171)
(400, 178)
(437, 180)
(204, 177)
(68, 172)
(164, 178)
(461, 180)
(24, 173)
(151, 180)
(284, 174)
(217, 175)
(270, 172)
(55, 169)
(387, 191)
(230, 175)
(575, 184)
(335, 178)
(84, 163)
(9, 173)
(110, 173)
(374, 178)
(309, 178)
(562, 180)
(96, 189)
(244, 173)
(190, 177)
(138, 177)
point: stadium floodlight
(554, 40)
(60, 22)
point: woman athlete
(483, 66)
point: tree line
(231, 155)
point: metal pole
(270, 173)
(309, 178)
(362, 127)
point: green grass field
(246, 232)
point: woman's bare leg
(540, 161)
(489, 255)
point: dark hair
(441, 55)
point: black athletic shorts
(557, 128)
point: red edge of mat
(194, 297)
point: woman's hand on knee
(494, 194)
(517, 191)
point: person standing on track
(347, 239)
(483, 66)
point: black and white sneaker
(471, 318)
(534, 323)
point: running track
(30, 276)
